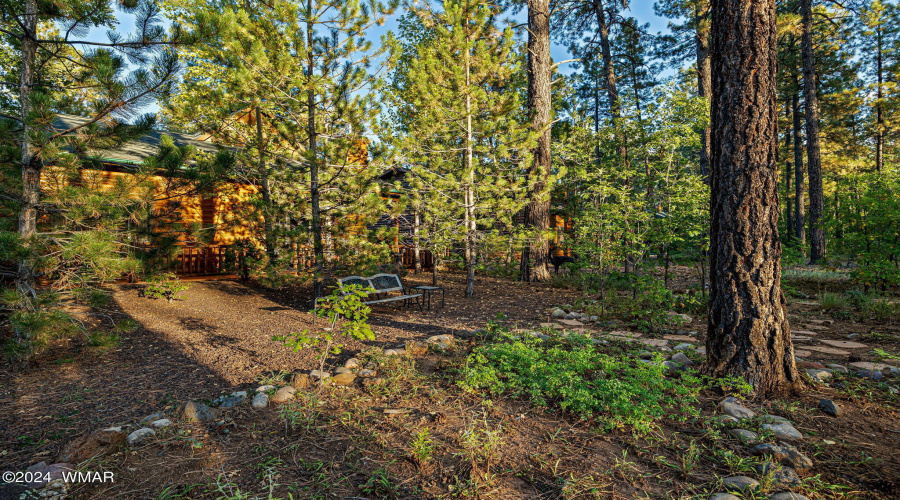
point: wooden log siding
(218, 212)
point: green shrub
(346, 302)
(883, 310)
(880, 274)
(859, 299)
(34, 321)
(245, 258)
(573, 375)
(127, 325)
(274, 279)
(833, 302)
(103, 340)
(693, 303)
(567, 280)
(422, 447)
(882, 354)
(164, 286)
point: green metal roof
(134, 152)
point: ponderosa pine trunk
(799, 209)
(314, 194)
(435, 260)
(813, 150)
(609, 72)
(612, 94)
(469, 215)
(417, 246)
(788, 175)
(704, 81)
(609, 77)
(269, 236)
(749, 336)
(879, 95)
(30, 163)
(535, 261)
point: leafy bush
(690, 303)
(858, 299)
(568, 280)
(574, 375)
(164, 286)
(422, 447)
(817, 275)
(866, 219)
(879, 274)
(346, 302)
(882, 354)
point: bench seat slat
(392, 299)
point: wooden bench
(382, 284)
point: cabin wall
(174, 203)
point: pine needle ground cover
(506, 417)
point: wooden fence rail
(210, 260)
(200, 261)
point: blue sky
(640, 9)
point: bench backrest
(386, 283)
(356, 280)
(380, 282)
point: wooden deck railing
(200, 261)
(408, 257)
(210, 260)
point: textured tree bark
(879, 95)
(471, 253)
(749, 335)
(788, 174)
(537, 212)
(704, 81)
(318, 245)
(612, 94)
(417, 247)
(609, 72)
(469, 216)
(609, 75)
(29, 162)
(799, 209)
(269, 236)
(813, 156)
(436, 260)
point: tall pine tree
(468, 143)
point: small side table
(428, 290)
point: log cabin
(215, 212)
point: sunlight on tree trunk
(535, 261)
(31, 169)
(813, 148)
(749, 335)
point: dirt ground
(219, 339)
